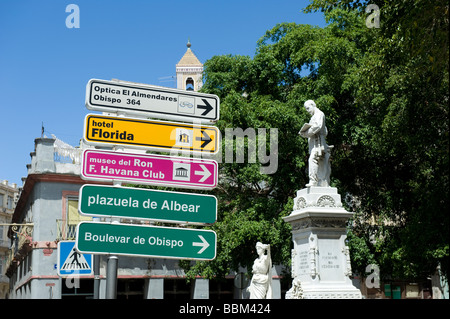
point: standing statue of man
(319, 152)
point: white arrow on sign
(205, 173)
(204, 244)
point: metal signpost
(149, 169)
(152, 135)
(148, 204)
(151, 101)
(115, 202)
(146, 241)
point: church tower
(189, 71)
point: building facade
(8, 197)
(47, 212)
(47, 209)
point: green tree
(398, 143)
(385, 94)
(268, 91)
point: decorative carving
(301, 203)
(301, 224)
(293, 262)
(313, 251)
(25, 233)
(326, 201)
(296, 291)
(348, 268)
(23, 244)
(332, 295)
(319, 223)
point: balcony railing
(65, 231)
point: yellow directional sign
(150, 134)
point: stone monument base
(328, 292)
(320, 257)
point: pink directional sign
(149, 169)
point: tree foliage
(399, 142)
(385, 94)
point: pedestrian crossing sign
(71, 262)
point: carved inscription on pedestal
(303, 262)
(330, 260)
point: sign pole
(96, 272)
(111, 274)
(96, 276)
(111, 277)
(111, 267)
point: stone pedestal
(320, 258)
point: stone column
(320, 257)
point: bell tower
(189, 71)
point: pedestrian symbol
(75, 261)
(72, 262)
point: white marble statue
(261, 283)
(315, 131)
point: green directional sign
(164, 206)
(146, 241)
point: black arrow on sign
(204, 138)
(207, 107)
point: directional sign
(146, 241)
(127, 202)
(71, 262)
(152, 135)
(149, 169)
(152, 101)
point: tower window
(189, 84)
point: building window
(9, 203)
(177, 289)
(66, 226)
(130, 288)
(219, 289)
(74, 217)
(189, 84)
(1, 264)
(83, 290)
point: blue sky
(45, 66)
